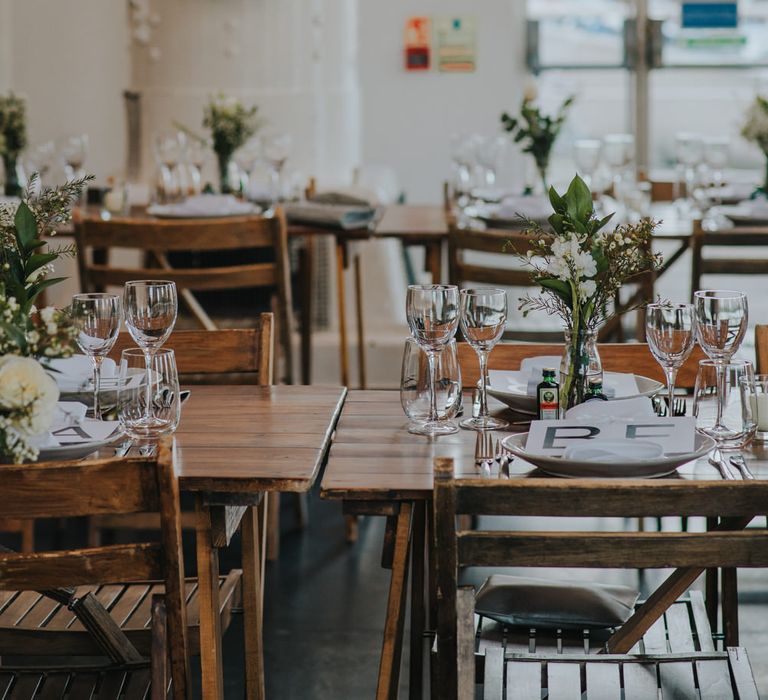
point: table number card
(554, 436)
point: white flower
(530, 91)
(25, 386)
(587, 288)
(48, 313)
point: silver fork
(679, 407)
(484, 451)
(717, 461)
(740, 463)
(503, 459)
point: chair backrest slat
(615, 357)
(109, 564)
(197, 280)
(233, 352)
(70, 489)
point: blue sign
(710, 15)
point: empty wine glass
(483, 317)
(716, 153)
(586, 153)
(689, 151)
(246, 158)
(276, 148)
(151, 307)
(721, 322)
(195, 157)
(169, 147)
(73, 152)
(143, 390)
(671, 333)
(96, 317)
(433, 315)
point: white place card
(552, 437)
(87, 430)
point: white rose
(530, 91)
(24, 383)
(48, 313)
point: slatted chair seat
(27, 618)
(131, 683)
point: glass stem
(148, 367)
(483, 356)
(432, 362)
(671, 373)
(721, 383)
(97, 386)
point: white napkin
(614, 451)
(205, 205)
(531, 207)
(75, 374)
(67, 417)
(639, 407)
(343, 216)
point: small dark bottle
(548, 396)
(595, 390)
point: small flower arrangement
(537, 131)
(13, 138)
(29, 337)
(755, 130)
(231, 124)
(580, 266)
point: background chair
(680, 629)
(157, 238)
(51, 621)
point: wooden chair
(232, 356)
(41, 621)
(95, 239)
(615, 357)
(761, 349)
(637, 657)
(740, 236)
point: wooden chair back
(740, 236)
(615, 357)
(761, 349)
(156, 237)
(729, 545)
(104, 487)
(231, 356)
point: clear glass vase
(579, 364)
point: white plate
(523, 403)
(557, 466)
(79, 450)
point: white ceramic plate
(522, 403)
(745, 215)
(557, 466)
(79, 450)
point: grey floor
(324, 612)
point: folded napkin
(334, 215)
(531, 207)
(638, 407)
(347, 196)
(70, 426)
(75, 374)
(543, 603)
(205, 205)
(611, 451)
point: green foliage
(13, 126)
(231, 124)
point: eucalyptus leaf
(26, 227)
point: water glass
(483, 317)
(670, 330)
(433, 316)
(414, 383)
(96, 317)
(756, 392)
(722, 409)
(586, 154)
(143, 391)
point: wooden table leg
(208, 596)
(306, 276)
(360, 326)
(253, 584)
(433, 261)
(391, 650)
(342, 312)
(418, 613)
(711, 586)
(730, 608)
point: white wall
(408, 118)
(70, 60)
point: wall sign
(418, 39)
(709, 14)
(456, 44)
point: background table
(377, 468)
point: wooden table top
(251, 438)
(374, 457)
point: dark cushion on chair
(533, 602)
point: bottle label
(549, 403)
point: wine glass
(96, 317)
(586, 153)
(671, 333)
(73, 152)
(721, 322)
(151, 307)
(157, 384)
(483, 317)
(433, 315)
(716, 153)
(169, 147)
(276, 148)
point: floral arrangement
(231, 124)
(28, 336)
(755, 130)
(538, 132)
(580, 266)
(13, 138)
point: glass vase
(580, 363)
(12, 180)
(223, 163)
